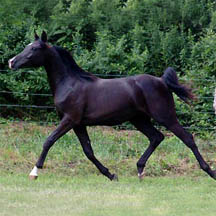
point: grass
(70, 185)
(95, 196)
(21, 144)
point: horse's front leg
(65, 125)
(83, 137)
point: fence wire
(104, 75)
(44, 107)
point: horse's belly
(111, 118)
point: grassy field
(95, 196)
(21, 144)
(71, 185)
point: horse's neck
(57, 73)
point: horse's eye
(34, 48)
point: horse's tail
(171, 80)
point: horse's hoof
(141, 175)
(114, 177)
(33, 177)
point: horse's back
(124, 98)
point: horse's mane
(74, 69)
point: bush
(116, 37)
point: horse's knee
(157, 139)
(49, 142)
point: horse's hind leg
(187, 138)
(155, 137)
(83, 137)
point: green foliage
(202, 69)
(203, 56)
(116, 37)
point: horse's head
(33, 55)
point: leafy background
(112, 38)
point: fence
(209, 99)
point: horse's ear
(35, 35)
(44, 36)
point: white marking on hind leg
(34, 173)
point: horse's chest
(66, 102)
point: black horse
(83, 99)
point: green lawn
(21, 145)
(95, 196)
(71, 186)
